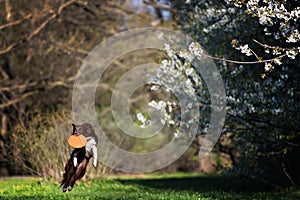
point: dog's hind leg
(69, 171)
(80, 171)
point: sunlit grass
(176, 186)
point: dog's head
(85, 129)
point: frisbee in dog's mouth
(77, 141)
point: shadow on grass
(201, 184)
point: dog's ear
(74, 128)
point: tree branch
(18, 87)
(32, 88)
(10, 47)
(38, 29)
(10, 24)
(70, 48)
(53, 16)
(16, 100)
(244, 62)
(271, 47)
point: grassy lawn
(178, 186)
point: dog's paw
(75, 162)
(63, 188)
(70, 188)
(95, 163)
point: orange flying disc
(77, 141)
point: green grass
(178, 186)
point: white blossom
(245, 49)
(294, 37)
(144, 121)
(175, 76)
(291, 54)
(277, 61)
(273, 14)
(268, 67)
(154, 87)
(195, 49)
(177, 134)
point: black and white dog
(87, 130)
(76, 166)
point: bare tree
(42, 44)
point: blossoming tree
(261, 78)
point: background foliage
(42, 44)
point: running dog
(76, 165)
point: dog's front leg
(76, 153)
(95, 155)
(75, 161)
